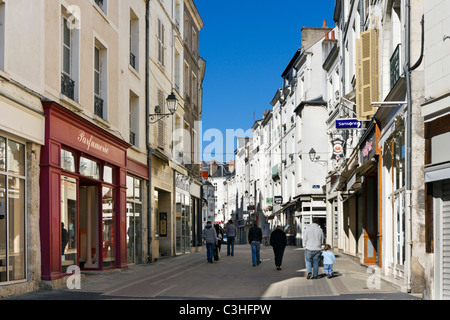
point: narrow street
(190, 277)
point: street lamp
(312, 155)
(172, 103)
(314, 158)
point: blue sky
(247, 44)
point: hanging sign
(348, 124)
(338, 149)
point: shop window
(109, 217)
(68, 222)
(108, 174)
(134, 220)
(89, 168)
(12, 211)
(67, 160)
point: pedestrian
(278, 242)
(328, 260)
(230, 231)
(219, 232)
(255, 239)
(209, 235)
(312, 242)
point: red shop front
(83, 195)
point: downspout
(147, 132)
(408, 202)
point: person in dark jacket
(278, 243)
(255, 239)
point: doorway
(89, 226)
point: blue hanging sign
(348, 124)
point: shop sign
(348, 124)
(338, 149)
(278, 200)
(89, 141)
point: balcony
(67, 86)
(395, 66)
(98, 107)
(133, 60)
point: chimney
(310, 35)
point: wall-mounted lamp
(314, 158)
(172, 103)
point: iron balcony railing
(395, 66)
(98, 106)
(133, 60)
(67, 86)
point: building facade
(88, 174)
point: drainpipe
(147, 129)
(408, 196)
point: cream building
(79, 161)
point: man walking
(278, 243)
(312, 242)
(210, 236)
(230, 231)
(255, 239)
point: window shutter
(358, 78)
(369, 72)
(161, 123)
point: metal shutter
(446, 240)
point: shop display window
(89, 168)
(68, 222)
(12, 211)
(108, 216)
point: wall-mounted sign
(338, 149)
(278, 199)
(316, 186)
(348, 124)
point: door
(89, 241)
(370, 220)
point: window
(89, 168)
(70, 56)
(134, 41)
(160, 37)
(102, 4)
(134, 119)
(67, 160)
(12, 211)
(109, 232)
(134, 220)
(100, 81)
(68, 222)
(2, 35)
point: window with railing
(68, 57)
(100, 78)
(134, 40)
(395, 66)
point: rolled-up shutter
(446, 240)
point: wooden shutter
(368, 77)
(358, 78)
(162, 122)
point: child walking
(328, 260)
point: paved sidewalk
(190, 277)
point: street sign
(278, 199)
(348, 124)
